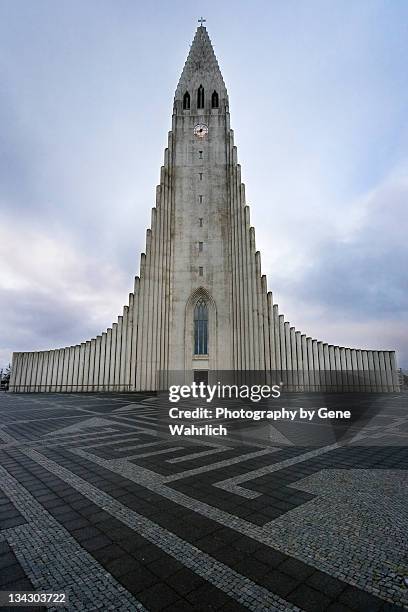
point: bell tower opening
(186, 101)
(200, 97)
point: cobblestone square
(97, 501)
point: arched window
(186, 101)
(214, 100)
(201, 328)
(200, 97)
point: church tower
(200, 302)
(201, 292)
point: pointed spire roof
(201, 64)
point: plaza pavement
(97, 501)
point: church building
(200, 303)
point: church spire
(201, 67)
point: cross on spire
(201, 21)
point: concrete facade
(200, 246)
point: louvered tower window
(186, 101)
(200, 97)
(214, 100)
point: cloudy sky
(318, 98)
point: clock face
(201, 130)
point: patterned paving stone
(96, 499)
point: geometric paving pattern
(96, 500)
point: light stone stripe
(72, 437)
(234, 584)
(220, 464)
(164, 451)
(144, 445)
(52, 418)
(199, 454)
(117, 441)
(67, 562)
(232, 484)
(51, 442)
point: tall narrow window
(201, 176)
(200, 97)
(214, 100)
(200, 198)
(201, 328)
(200, 222)
(201, 154)
(200, 271)
(200, 247)
(186, 101)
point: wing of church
(200, 302)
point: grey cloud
(364, 275)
